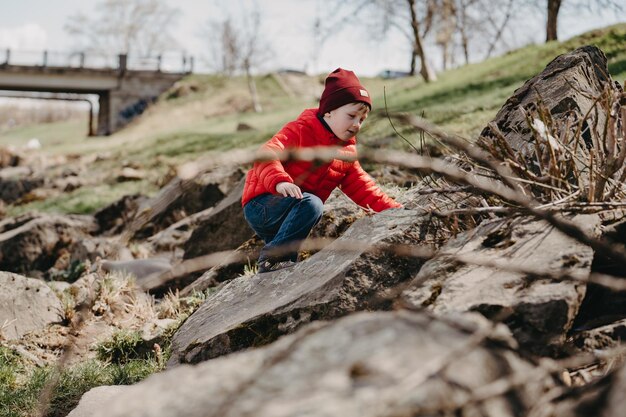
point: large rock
(364, 365)
(13, 189)
(34, 242)
(224, 228)
(98, 398)
(26, 304)
(250, 311)
(539, 311)
(554, 88)
(117, 216)
(181, 198)
(602, 305)
(93, 248)
(339, 214)
(568, 89)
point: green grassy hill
(202, 113)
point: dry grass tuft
(573, 158)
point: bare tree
(237, 46)
(465, 25)
(411, 18)
(446, 28)
(479, 25)
(554, 7)
(138, 27)
(418, 43)
(223, 46)
(552, 16)
(498, 25)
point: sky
(37, 25)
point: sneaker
(268, 266)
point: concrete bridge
(124, 87)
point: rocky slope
(495, 291)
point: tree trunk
(418, 50)
(465, 43)
(551, 25)
(256, 104)
(462, 27)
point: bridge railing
(173, 62)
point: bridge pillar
(134, 94)
(119, 107)
(104, 114)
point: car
(390, 74)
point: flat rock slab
(539, 311)
(251, 311)
(26, 304)
(364, 365)
(98, 398)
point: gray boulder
(567, 88)
(250, 311)
(34, 242)
(224, 228)
(539, 311)
(117, 216)
(367, 364)
(13, 189)
(26, 304)
(181, 198)
(98, 398)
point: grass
(85, 200)
(122, 359)
(21, 384)
(56, 138)
(121, 348)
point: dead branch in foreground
(224, 258)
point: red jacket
(308, 131)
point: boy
(282, 201)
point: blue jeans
(282, 221)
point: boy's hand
(288, 189)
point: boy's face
(346, 121)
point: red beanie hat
(342, 87)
